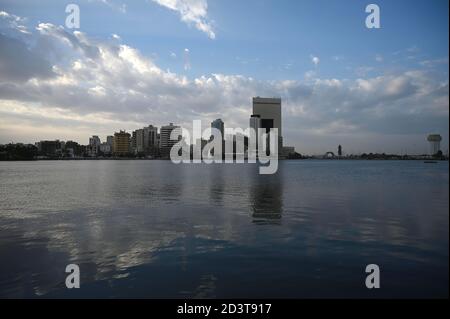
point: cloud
(119, 7)
(187, 60)
(14, 22)
(18, 63)
(192, 12)
(67, 82)
(434, 62)
(315, 60)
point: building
(288, 151)
(50, 148)
(134, 142)
(255, 124)
(139, 136)
(220, 126)
(95, 140)
(146, 140)
(92, 150)
(105, 149)
(150, 140)
(340, 150)
(94, 146)
(121, 144)
(73, 149)
(435, 143)
(269, 111)
(110, 141)
(166, 143)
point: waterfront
(154, 229)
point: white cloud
(315, 60)
(379, 58)
(13, 22)
(193, 12)
(119, 7)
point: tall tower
(269, 110)
(435, 143)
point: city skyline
(148, 138)
(362, 90)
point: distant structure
(435, 143)
(329, 155)
(110, 140)
(340, 150)
(269, 112)
(166, 143)
(94, 146)
(146, 140)
(122, 143)
(220, 126)
(50, 148)
(95, 140)
(255, 124)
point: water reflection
(266, 198)
(154, 229)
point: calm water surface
(152, 229)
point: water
(152, 229)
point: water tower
(435, 143)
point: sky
(141, 62)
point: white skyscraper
(269, 111)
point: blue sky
(265, 39)
(292, 49)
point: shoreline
(282, 159)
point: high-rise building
(150, 139)
(435, 143)
(166, 143)
(269, 111)
(110, 140)
(146, 140)
(121, 145)
(220, 126)
(134, 142)
(138, 136)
